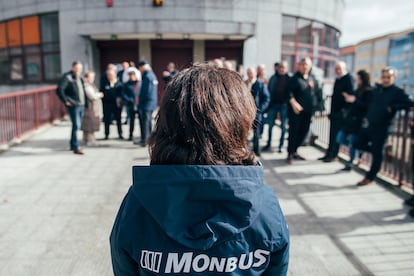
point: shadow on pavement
(311, 224)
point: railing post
(403, 149)
(18, 118)
(51, 110)
(36, 109)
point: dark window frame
(24, 54)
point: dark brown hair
(204, 119)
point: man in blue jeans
(278, 103)
(71, 91)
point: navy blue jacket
(204, 220)
(129, 92)
(261, 96)
(148, 93)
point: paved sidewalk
(57, 210)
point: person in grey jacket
(148, 100)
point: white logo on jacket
(188, 262)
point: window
(52, 66)
(29, 49)
(33, 68)
(16, 68)
(304, 31)
(302, 37)
(288, 28)
(4, 66)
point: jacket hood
(198, 206)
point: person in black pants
(385, 100)
(112, 108)
(129, 96)
(339, 109)
(353, 120)
(301, 90)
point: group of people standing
(360, 117)
(291, 98)
(135, 88)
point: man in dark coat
(148, 100)
(385, 100)
(277, 87)
(343, 84)
(129, 96)
(301, 98)
(112, 108)
(71, 92)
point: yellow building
(372, 54)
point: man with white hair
(148, 100)
(261, 98)
(344, 83)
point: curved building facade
(39, 39)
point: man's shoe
(328, 159)
(130, 138)
(120, 137)
(409, 201)
(106, 137)
(289, 159)
(280, 150)
(347, 168)
(78, 151)
(266, 148)
(298, 157)
(364, 182)
(322, 158)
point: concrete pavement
(57, 210)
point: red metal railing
(24, 111)
(398, 151)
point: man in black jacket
(385, 100)
(301, 97)
(112, 108)
(343, 83)
(129, 96)
(71, 92)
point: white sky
(370, 18)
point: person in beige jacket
(92, 117)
